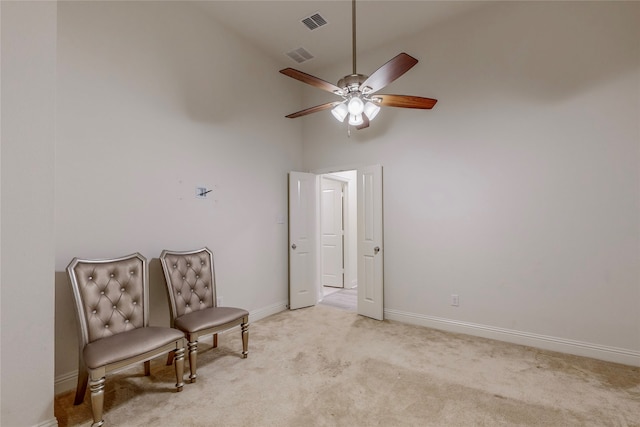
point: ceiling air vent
(314, 21)
(300, 55)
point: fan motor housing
(352, 82)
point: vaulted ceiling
(276, 27)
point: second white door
(332, 232)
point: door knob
(376, 249)
(293, 246)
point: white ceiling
(275, 27)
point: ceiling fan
(360, 102)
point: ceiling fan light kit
(359, 101)
(371, 110)
(340, 112)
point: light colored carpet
(325, 367)
(344, 299)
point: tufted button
(112, 275)
(201, 262)
(106, 326)
(187, 305)
(131, 273)
(183, 277)
(90, 277)
(192, 291)
(179, 293)
(188, 264)
(175, 266)
(201, 302)
(114, 307)
(121, 289)
(101, 292)
(126, 320)
(94, 312)
(197, 276)
(135, 303)
(206, 287)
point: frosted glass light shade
(356, 106)
(355, 119)
(371, 110)
(340, 112)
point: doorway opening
(338, 240)
(367, 272)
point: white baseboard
(595, 351)
(261, 313)
(49, 423)
(67, 382)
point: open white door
(331, 232)
(302, 242)
(370, 249)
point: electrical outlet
(219, 301)
(455, 300)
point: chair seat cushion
(209, 318)
(128, 344)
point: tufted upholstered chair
(191, 287)
(111, 297)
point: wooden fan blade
(365, 122)
(406, 101)
(315, 109)
(311, 80)
(390, 71)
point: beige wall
(154, 99)
(28, 37)
(519, 191)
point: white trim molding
(49, 423)
(578, 348)
(65, 382)
(261, 313)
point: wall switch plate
(455, 300)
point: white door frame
(376, 308)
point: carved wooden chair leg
(81, 388)
(215, 340)
(170, 357)
(147, 368)
(179, 365)
(97, 400)
(245, 338)
(193, 357)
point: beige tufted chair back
(191, 281)
(110, 296)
